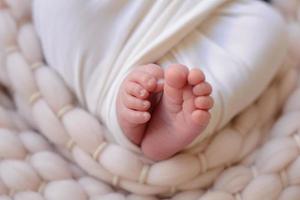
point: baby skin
(165, 116)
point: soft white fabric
(94, 44)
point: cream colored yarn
(251, 158)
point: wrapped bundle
(94, 45)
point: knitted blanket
(44, 154)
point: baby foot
(181, 115)
(135, 98)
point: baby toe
(136, 90)
(196, 76)
(201, 117)
(202, 89)
(176, 76)
(204, 102)
(154, 70)
(146, 80)
(136, 117)
(134, 103)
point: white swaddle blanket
(94, 44)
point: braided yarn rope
(71, 158)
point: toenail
(146, 103)
(143, 93)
